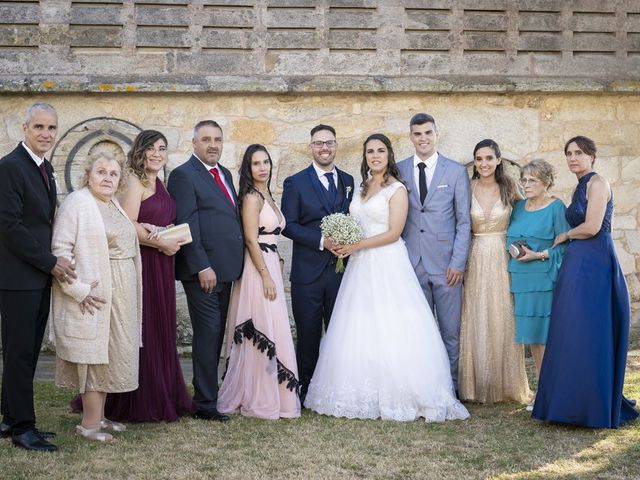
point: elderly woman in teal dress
(535, 223)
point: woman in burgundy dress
(162, 394)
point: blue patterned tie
(333, 192)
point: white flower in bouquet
(342, 229)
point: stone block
(429, 41)
(484, 21)
(534, 6)
(351, 18)
(416, 63)
(96, 15)
(354, 3)
(358, 62)
(247, 131)
(421, 5)
(632, 238)
(95, 36)
(483, 4)
(594, 42)
(593, 22)
(292, 18)
(19, 36)
(631, 168)
(428, 19)
(591, 6)
(539, 41)
(292, 39)
(294, 63)
(162, 15)
(167, 37)
(484, 40)
(291, 3)
(633, 42)
(211, 62)
(625, 198)
(627, 261)
(19, 13)
(353, 40)
(227, 38)
(539, 22)
(633, 22)
(240, 17)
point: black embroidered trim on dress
(261, 342)
(265, 247)
(261, 231)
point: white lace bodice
(373, 214)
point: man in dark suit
(27, 206)
(206, 200)
(308, 196)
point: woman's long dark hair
(246, 179)
(508, 188)
(137, 155)
(392, 167)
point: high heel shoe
(94, 434)
(111, 425)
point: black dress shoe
(213, 415)
(5, 432)
(32, 440)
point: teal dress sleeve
(560, 225)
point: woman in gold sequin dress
(491, 362)
(97, 319)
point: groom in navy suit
(308, 196)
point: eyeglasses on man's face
(320, 143)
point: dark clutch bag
(516, 250)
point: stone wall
(526, 126)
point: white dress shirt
(429, 171)
(33, 156)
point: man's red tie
(216, 174)
(43, 171)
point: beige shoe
(111, 425)
(94, 434)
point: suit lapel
(437, 177)
(342, 184)
(319, 189)
(410, 178)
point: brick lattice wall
(320, 45)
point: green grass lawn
(497, 442)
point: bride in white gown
(382, 355)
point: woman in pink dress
(262, 376)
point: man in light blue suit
(438, 229)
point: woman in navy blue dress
(583, 369)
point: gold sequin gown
(121, 373)
(491, 362)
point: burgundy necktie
(216, 174)
(43, 171)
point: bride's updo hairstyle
(392, 167)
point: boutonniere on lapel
(347, 191)
(54, 176)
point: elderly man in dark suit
(308, 196)
(206, 200)
(27, 206)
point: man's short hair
(38, 106)
(320, 127)
(421, 119)
(205, 123)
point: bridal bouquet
(342, 229)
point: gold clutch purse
(181, 233)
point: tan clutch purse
(181, 233)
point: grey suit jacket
(438, 232)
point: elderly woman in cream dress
(97, 319)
